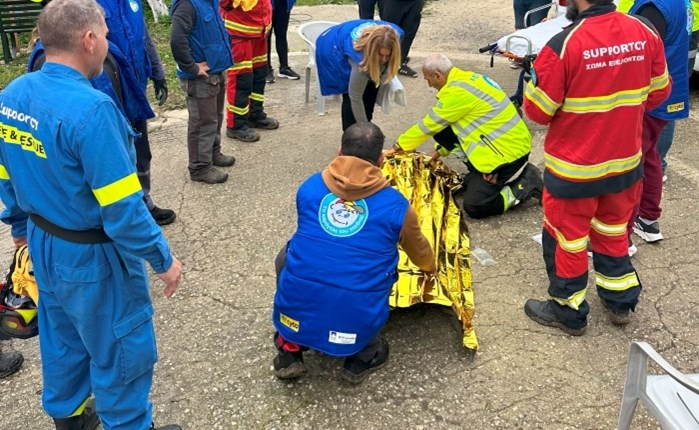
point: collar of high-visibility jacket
(352, 178)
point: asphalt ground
(215, 334)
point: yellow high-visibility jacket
(489, 130)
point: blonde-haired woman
(354, 59)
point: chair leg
(321, 100)
(308, 82)
(628, 408)
(5, 47)
(636, 374)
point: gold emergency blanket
(429, 189)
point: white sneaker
(647, 230)
(664, 178)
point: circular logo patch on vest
(357, 32)
(342, 218)
(134, 5)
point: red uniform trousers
(648, 205)
(245, 90)
(568, 226)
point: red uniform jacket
(241, 22)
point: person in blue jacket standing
(201, 46)
(127, 30)
(354, 59)
(335, 274)
(70, 189)
(281, 13)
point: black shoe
(289, 365)
(356, 370)
(405, 70)
(166, 427)
(264, 122)
(269, 78)
(10, 362)
(648, 230)
(529, 185)
(288, 73)
(617, 317)
(88, 420)
(541, 312)
(163, 216)
(221, 160)
(210, 175)
(245, 134)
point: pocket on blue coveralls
(137, 352)
(84, 289)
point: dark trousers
(482, 198)
(280, 25)
(369, 97)
(143, 159)
(282, 344)
(367, 7)
(407, 15)
(205, 99)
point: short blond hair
(372, 40)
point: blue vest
(332, 295)
(135, 103)
(334, 49)
(676, 41)
(127, 30)
(209, 40)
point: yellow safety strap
(117, 190)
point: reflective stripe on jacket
(254, 23)
(490, 131)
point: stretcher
(429, 186)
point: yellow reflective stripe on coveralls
(594, 171)
(573, 245)
(609, 229)
(619, 283)
(257, 97)
(243, 28)
(606, 103)
(3, 173)
(241, 65)
(117, 190)
(541, 99)
(573, 301)
(239, 111)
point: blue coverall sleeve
(102, 147)
(13, 215)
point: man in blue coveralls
(68, 182)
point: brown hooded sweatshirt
(352, 178)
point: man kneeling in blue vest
(335, 274)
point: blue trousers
(521, 7)
(95, 320)
(665, 141)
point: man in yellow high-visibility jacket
(475, 119)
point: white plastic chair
(673, 399)
(309, 32)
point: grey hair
(62, 23)
(438, 63)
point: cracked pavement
(215, 334)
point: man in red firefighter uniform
(591, 84)
(248, 22)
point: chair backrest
(310, 31)
(673, 398)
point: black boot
(88, 420)
(355, 370)
(528, 185)
(10, 362)
(543, 313)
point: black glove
(160, 87)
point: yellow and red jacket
(247, 19)
(592, 83)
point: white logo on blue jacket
(342, 218)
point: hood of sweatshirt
(352, 178)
